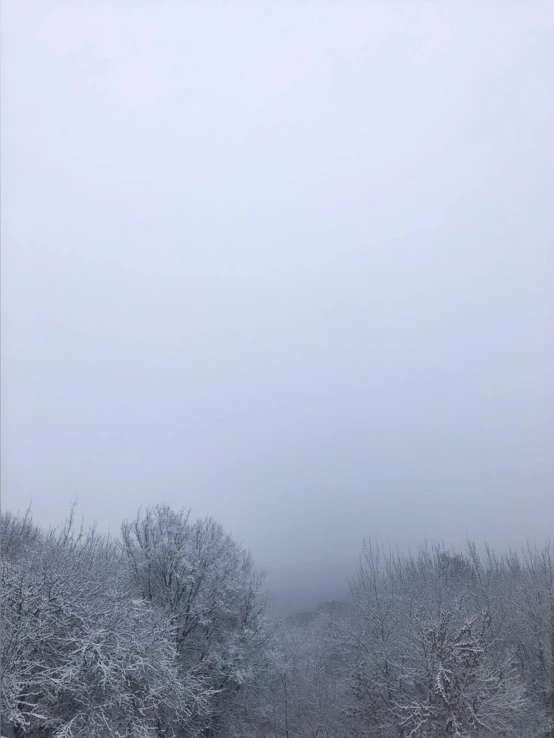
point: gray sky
(289, 264)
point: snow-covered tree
(457, 684)
(165, 634)
(529, 624)
(80, 657)
(206, 585)
(424, 661)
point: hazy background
(289, 264)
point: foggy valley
(277, 397)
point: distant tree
(309, 685)
(17, 533)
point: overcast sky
(289, 264)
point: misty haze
(277, 400)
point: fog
(287, 264)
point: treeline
(165, 632)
